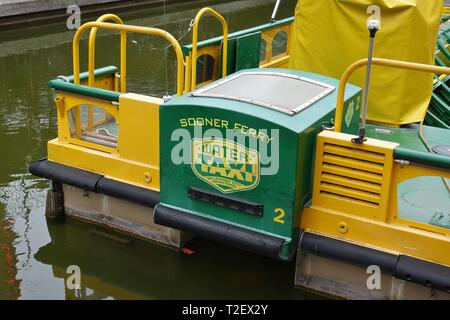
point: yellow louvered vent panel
(352, 178)
(352, 175)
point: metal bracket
(402, 162)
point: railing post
(126, 28)
(195, 41)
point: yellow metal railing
(195, 41)
(123, 52)
(378, 62)
(123, 61)
(126, 28)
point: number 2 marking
(280, 216)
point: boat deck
(423, 199)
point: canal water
(35, 254)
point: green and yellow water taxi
(270, 144)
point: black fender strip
(340, 250)
(93, 182)
(64, 174)
(142, 196)
(222, 232)
(422, 272)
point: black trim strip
(224, 201)
(232, 235)
(403, 267)
(93, 182)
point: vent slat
(354, 153)
(350, 192)
(355, 201)
(352, 183)
(352, 173)
(353, 163)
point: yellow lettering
(225, 124)
(209, 122)
(200, 121)
(235, 173)
(191, 122)
(279, 218)
(221, 171)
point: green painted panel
(408, 137)
(248, 51)
(231, 57)
(193, 121)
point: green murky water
(34, 253)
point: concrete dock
(9, 8)
(22, 13)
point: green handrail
(84, 90)
(217, 40)
(425, 158)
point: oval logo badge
(225, 165)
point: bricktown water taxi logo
(225, 165)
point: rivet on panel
(342, 227)
(147, 177)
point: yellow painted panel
(351, 203)
(282, 62)
(359, 203)
(357, 174)
(139, 128)
(388, 237)
(352, 183)
(349, 192)
(107, 82)
(352, 163)
(352, 153)
(109, 165)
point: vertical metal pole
(275, 10)
(374, 25)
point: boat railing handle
(195, 41)
(123, 52)
(379, 62)
(127, 28)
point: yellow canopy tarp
(329, 35)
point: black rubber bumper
(403, 267)
(222, 232)
(93, 182)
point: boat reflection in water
(126, 268)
